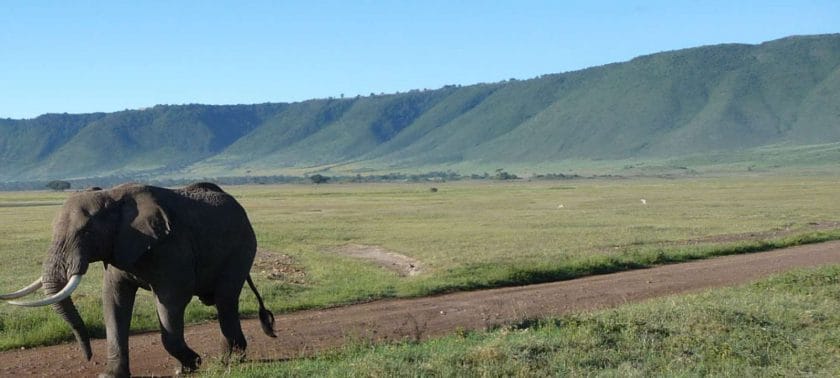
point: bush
(319, 179)
(58, 185)
(502, 175)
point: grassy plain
(467, 235)
(787, 326)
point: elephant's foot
(233, 357)
(190, 367)
(184, 370)
(116, 369)
(232, 354)
(114, 373)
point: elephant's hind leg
(233, 344)
(171, 317)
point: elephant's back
(202, 186)
(213, 219)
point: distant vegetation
(393, 177)
(716, 100)
(501, 174)
(58, 185)
(319, 179)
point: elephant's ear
(143, 224)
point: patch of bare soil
(279, 267)
(307, 332)
(401, 264)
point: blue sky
(87, 56)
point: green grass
(468, 235)
(787, 325)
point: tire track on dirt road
(307, 332)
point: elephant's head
(114, 226)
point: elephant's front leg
(117, 304)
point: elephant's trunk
(58, 268)
(70, 314)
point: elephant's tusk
(55, 298)
(25, 291)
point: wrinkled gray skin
(176, 243)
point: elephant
(177, 243)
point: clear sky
(86, 56)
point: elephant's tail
(266, 317)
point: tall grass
(466, 236)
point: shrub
(319, 179)
(58, 185)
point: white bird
(644, 201)
(560, 206)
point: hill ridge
(726, 98)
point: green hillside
(712, 105)
(23, 144)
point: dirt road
(307, 332)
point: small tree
(319, 179)
(502, 175)
(58, 185)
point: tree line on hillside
(436, 176)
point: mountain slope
(719, 100)
(26, 143)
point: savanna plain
(470, 235)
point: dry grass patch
(403, 265)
